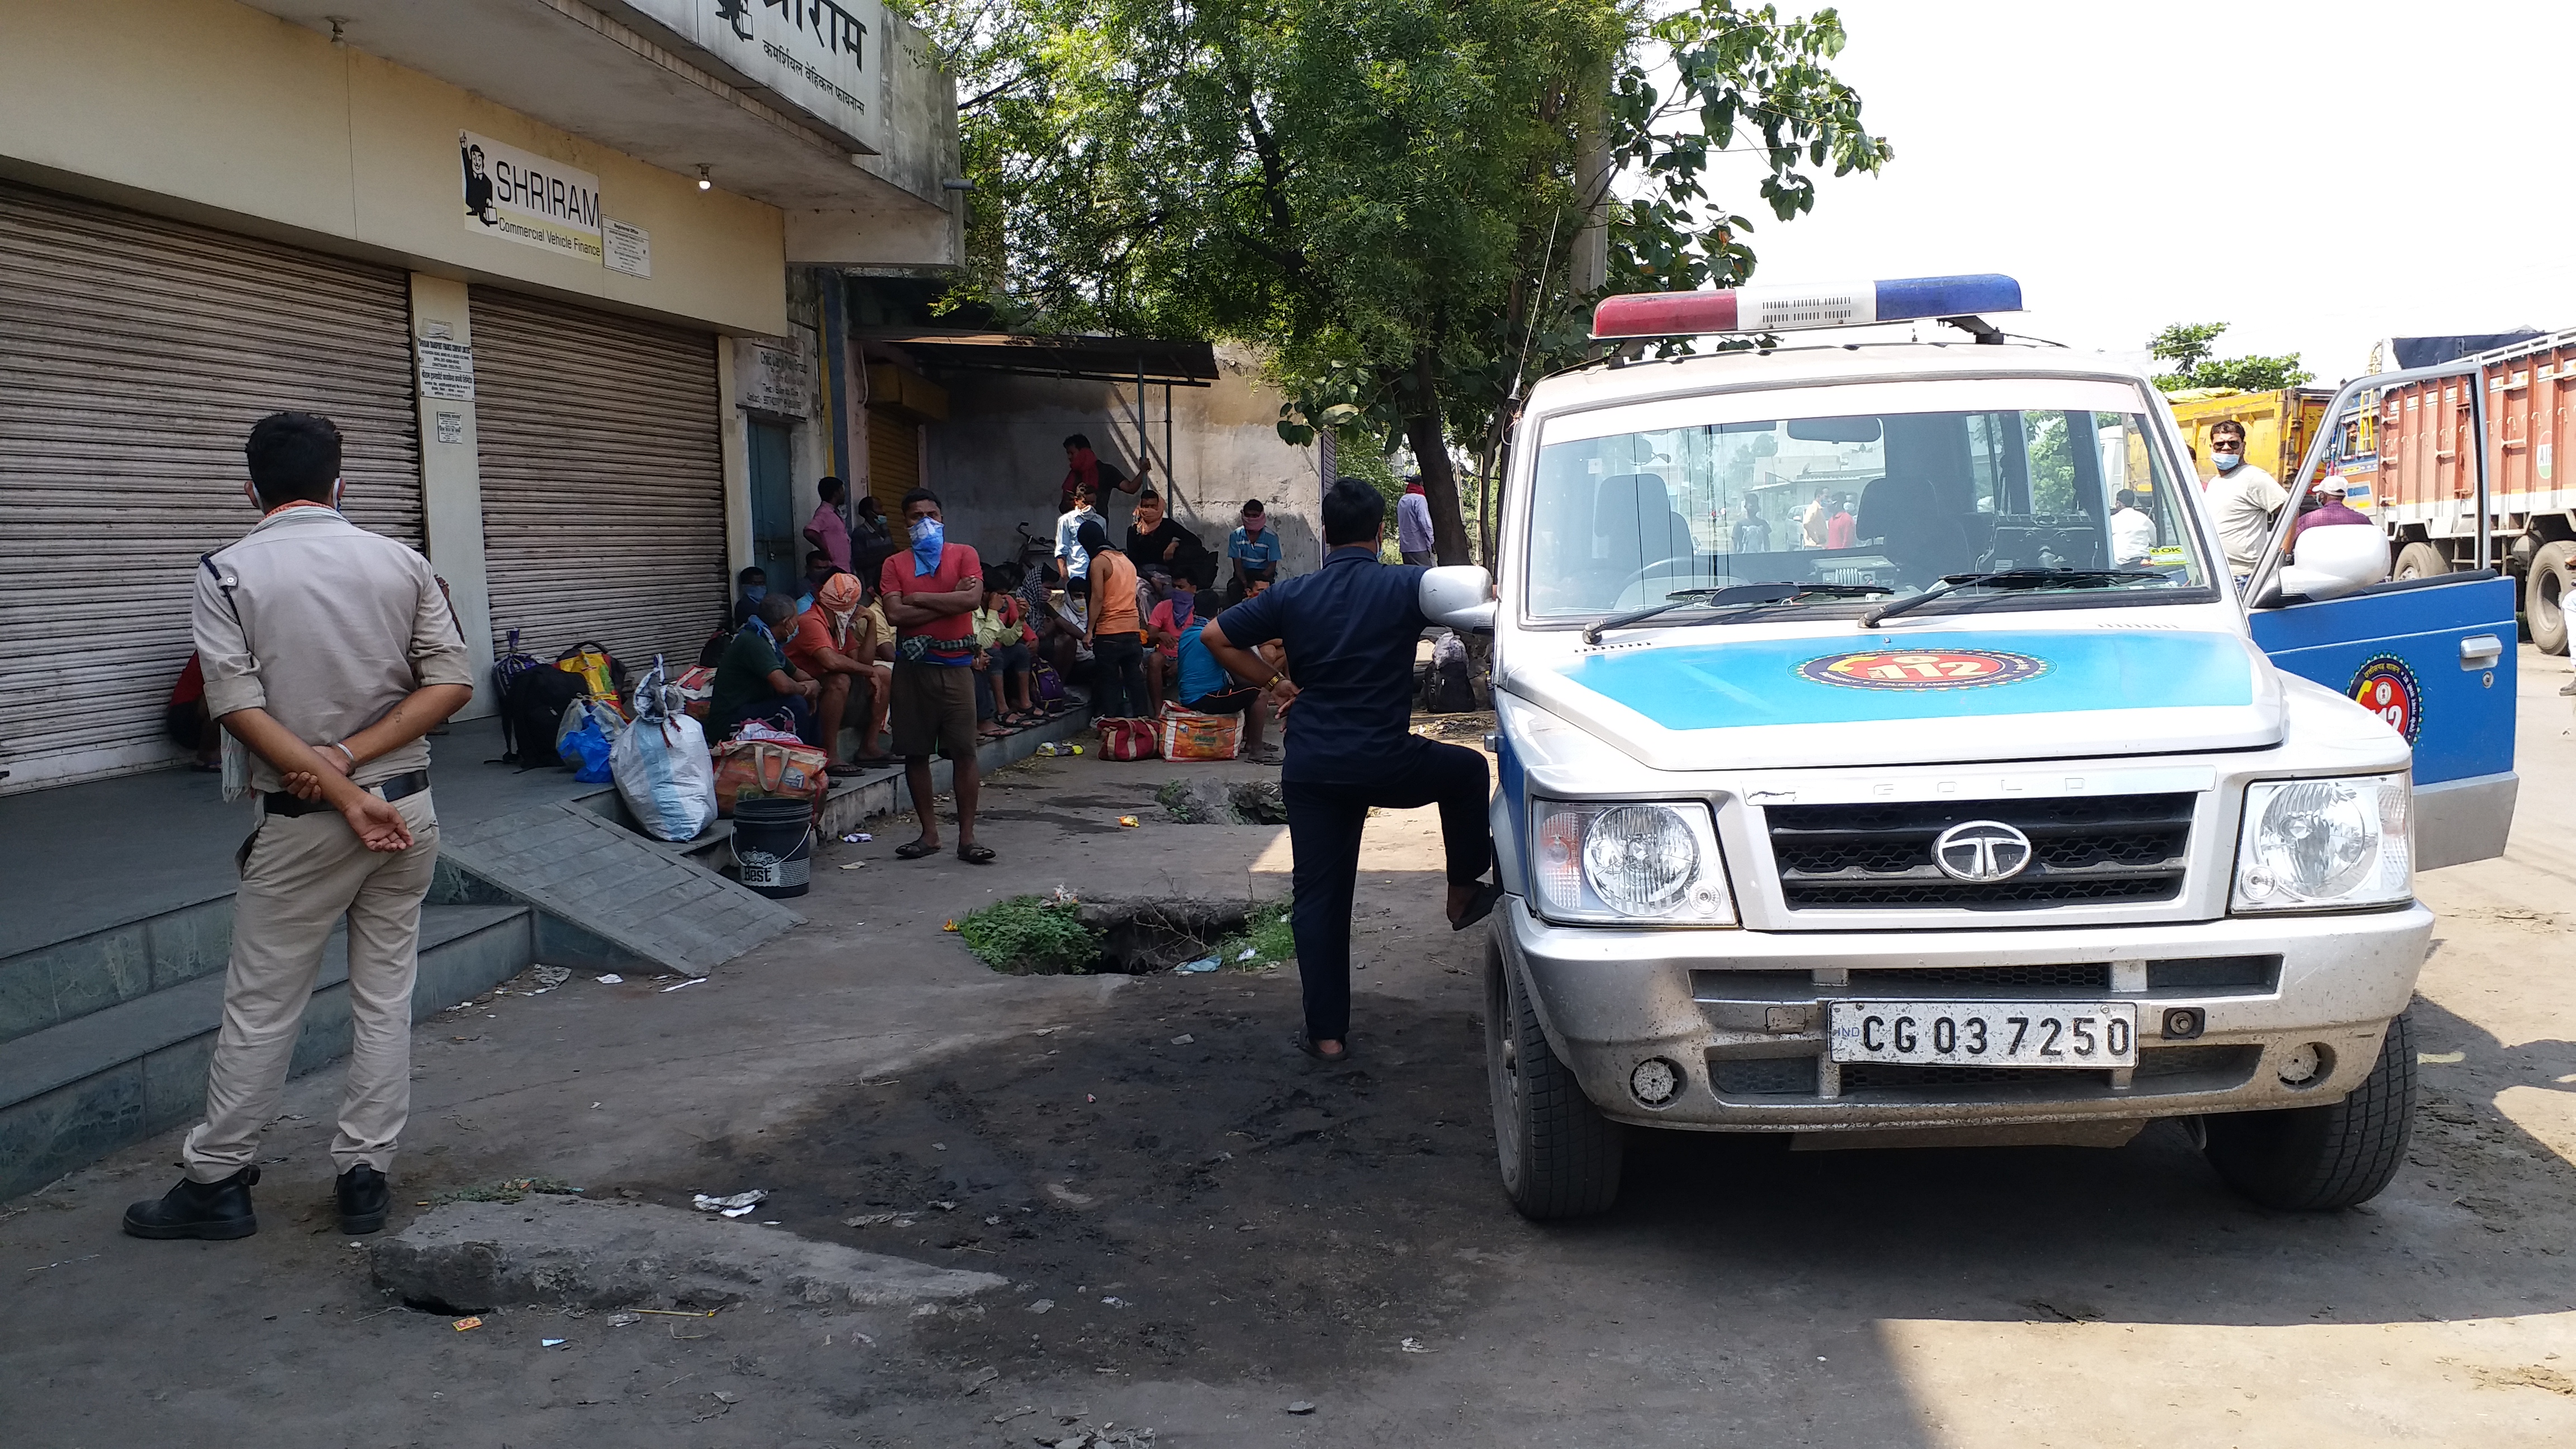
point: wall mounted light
(705, 182)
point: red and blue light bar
(1799, 309)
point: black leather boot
(210, 1210)
(364, 1195)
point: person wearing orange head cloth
(830, 644)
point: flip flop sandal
(1307, 1045)
(915, 850)
(975, 854)
(1480, 905)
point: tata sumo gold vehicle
(1886, 751)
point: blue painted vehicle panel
(1733, 682)
(2397, 650)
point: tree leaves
(1384, 194)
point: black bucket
(773, 845)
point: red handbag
(1128, 739)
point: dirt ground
(1219, 1229)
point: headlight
(2322, 845)
(1628, 863)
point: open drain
(1042, 936)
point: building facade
(566, 275)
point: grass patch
(1030, 933)
(1265, 934)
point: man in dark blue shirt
(1351, 628)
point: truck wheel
(2544, 595)
(2321, 1159)
(2420, 561)
(1560, 1156)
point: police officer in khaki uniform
(328, 651)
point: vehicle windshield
(1629, 519)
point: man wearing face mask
(2243, 498)
(328, 653)
(931, 592)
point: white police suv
(1887, 750)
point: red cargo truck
(2406, 455)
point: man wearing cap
(2330, 511)
(329, 651)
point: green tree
(2192, 349)
(1389, 195)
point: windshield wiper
(2003, 578)
(1734, 595)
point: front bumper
(1741, 1014)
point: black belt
(284, 805)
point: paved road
(1273, 1234)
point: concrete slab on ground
(605, 881)
(470, 1257)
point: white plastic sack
(663, 771)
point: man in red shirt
(931, 591)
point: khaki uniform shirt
(327, 627)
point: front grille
(2120, 848)
(2223, 1066)
(2021, 1081)
(1762, 1076)
(2091, 977)
(2201, 1068)
(2215, 975)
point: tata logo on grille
(1923, 669)
(1980, 851)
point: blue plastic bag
(587, 749)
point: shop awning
(1101, 359)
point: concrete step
(84, 1087)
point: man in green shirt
(755, 681)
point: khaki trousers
(299, 877)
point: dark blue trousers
(1324, 826)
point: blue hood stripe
(1728, 685)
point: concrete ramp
(610, 898)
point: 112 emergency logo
(2387, 688)
(1922, 669)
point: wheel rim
(1503, 1070)
(2550, 596)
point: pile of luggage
(578, 711)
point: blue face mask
(2226, 461)
(755, 592)
(927, 538)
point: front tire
(2324, 1159)
(1560, 1157)
(2544, 596)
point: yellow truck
(2278, 425)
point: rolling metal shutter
(603, 479)
(135, 353)
(894, 456)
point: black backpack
(1451, 688)
(532, 708)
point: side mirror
(2336, 559)
(1460, 597)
